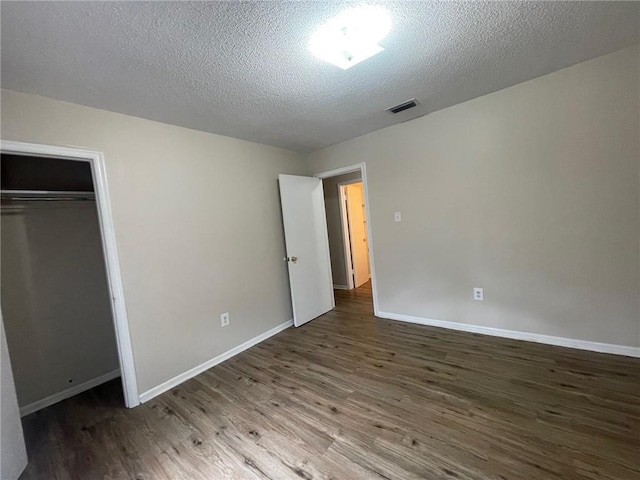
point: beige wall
(197, 222)
(334, 225)
(55, 298)
(531, 193)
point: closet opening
(57, 283)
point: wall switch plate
(478, 294)
(397, 216)
(224, 319)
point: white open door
(305, 231)
(13, 454)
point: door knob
(293, 259)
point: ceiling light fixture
(351, 37)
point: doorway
(354, 233)
(349, 233)
(311, 262)
(62, 298)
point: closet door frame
(109, 246)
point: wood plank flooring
(349, 396)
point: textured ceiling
(243, 68)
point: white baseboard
(183, 377)
(340, 287)
(68, 393)
(529, 337)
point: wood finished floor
(349, 396)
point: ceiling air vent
(403, 106)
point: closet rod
(45, 195)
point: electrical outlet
(478, 294)
(397, 216)
(224, 319)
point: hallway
(358, 301)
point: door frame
(109, 248)
(362, 168)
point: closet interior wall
(53, 290)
